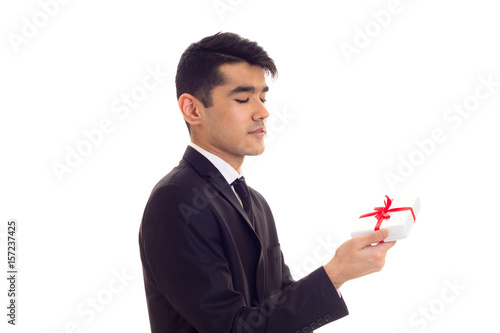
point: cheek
(229, 121)
(234, 119)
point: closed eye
(241, 101)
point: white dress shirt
(227, 171)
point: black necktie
(241, 188)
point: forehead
(243, 74)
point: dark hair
(198, 71)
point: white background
(348, 121)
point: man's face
(234, 126)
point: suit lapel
(227, 192)
(205, 168)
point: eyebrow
(251, 89)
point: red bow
(381, 212)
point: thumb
(375, 237)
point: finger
(374, 237)
(384, 246)
(389, 244)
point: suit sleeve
(183, 249)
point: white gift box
(399, 223)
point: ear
(190, 108)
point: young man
(209, 247)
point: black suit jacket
(206, 269)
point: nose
(260, 111)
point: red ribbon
(381, 212)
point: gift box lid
(399, 223)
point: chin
(252, 151)
(256, 151)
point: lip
(261, 131)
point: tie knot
(240, 186)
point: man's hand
(358, 257)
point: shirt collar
(227, 171)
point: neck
(236, 161)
